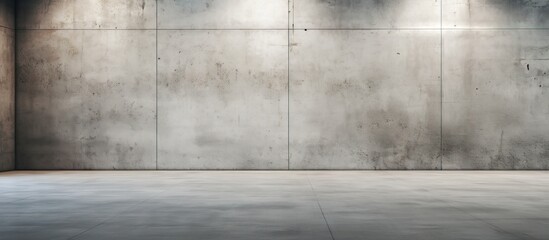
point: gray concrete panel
(495, 87)
(86, 14)
(496, 13)
(365, 99)
(7, 97)
(365, 13)
(222, 99)
(222, 14)
(6, 13)
(85, 99)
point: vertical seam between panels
(288, 33)
(441, 81)
(156, 85)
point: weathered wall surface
(365, 85)
(277, 84)
(495, 84)
(222, 99)
(86, 85)
(223, 84)
(86, 14)
(7, 83)
(365, 106)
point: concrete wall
(496, 84)
(86, 84)
(7, 85)
(223, 84)
(277, 84)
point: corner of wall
(7, 85)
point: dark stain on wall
(516, 11)
(346, 3)
(499, 105)
(69, 14)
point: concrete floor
(274, 205)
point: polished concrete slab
(274, 205)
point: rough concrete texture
(7, 86)
(220, 205)
(223, 99)
(365, 84)
(222, 14)
(495, 99)
(7, 97)
(86, 99)
(345, 14)
(496, 13)
(86, 14)
(374, 105)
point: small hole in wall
(477, 88)
(305, 29)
